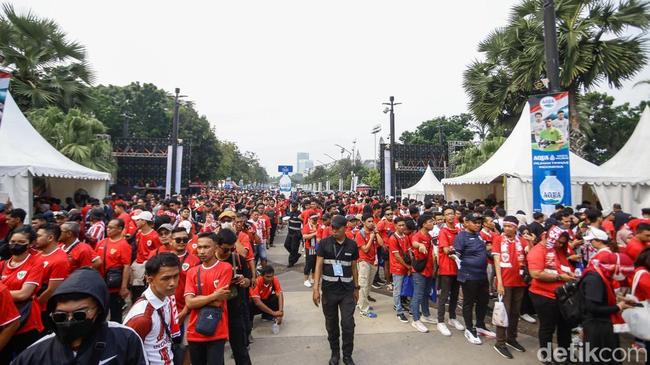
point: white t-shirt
(563, 126)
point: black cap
(474, 217)
(339, 221)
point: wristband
(357, 287)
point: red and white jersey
(97, 231)
(145, 317)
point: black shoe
(347, 360)
(503, 351)
(371, 299)
(334, 359)
(402, 318)
(376, 286)
(515, 346)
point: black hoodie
(109, 344)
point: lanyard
(337, 254)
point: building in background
(303, 163)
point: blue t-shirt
(473, 255)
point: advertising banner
(4, 90)
(549, 126)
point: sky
(286, 76)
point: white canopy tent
(507, 175)
(25, 154)
(428, 185)
(631, 162)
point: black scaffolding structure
(410, 163)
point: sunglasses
(182, 239)
(78, 315)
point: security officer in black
(336, 265)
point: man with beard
(81, 332)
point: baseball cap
(475, 217)
(350, 217)
(596, 234)
(145, 216)
(166, 226)
(228, 214)
(338, 221)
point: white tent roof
(428, 185)
(514, 158)
(632, 160)
(23, 151)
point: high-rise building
(303, 162)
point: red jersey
(113, 254)
(608, 226)
(424, 238)
(489, 238)
(9, 312)
(323, 232)
(217, 276)
(55, 266)
(129, 224)
(245, 240)
(79, 255)
(29, 271)
(385, 229)
(550, 261)
(446, 265)
(188, 261)
(362, 239)
(634, 248)
(400, 245)
(160, 249)
(310, 244)
(642, 289)
(264, 291)
(146, 243)
(512, 259)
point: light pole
(174, 141)
(550, 47)
(376, 129)
(391, 109)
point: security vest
(337, 263)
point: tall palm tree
(594, 45)
(77, 135)
(48, 69)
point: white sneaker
(485, 332)
(428, 319)
(311, 281)
(442, 328)
(419, 326)
(528, 318)
(471, 338)
(308, 283)
(456, 324)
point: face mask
(17, 249)
(618, 277)
(71, 330)
(227, 225)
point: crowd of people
(170, 281)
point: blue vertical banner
(4, 90)
(549, 127)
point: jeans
(421, 291)
(397, 290)
(334, 301)
(367, 271)
(512, 299)
(550, 320)
(475, 298)
(449, 288)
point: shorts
(260, 251)
(137, 274)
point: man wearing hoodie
(82, 335)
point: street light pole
(174, 142)
(392, 104)
(550, 47)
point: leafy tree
(594, 47)
(373, 178)
(47, 68)
(454, 128)
(474, 156)
(77, 135)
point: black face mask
(69, 331)
(16, 249)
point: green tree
(373, 178)
(594, 47)
(454, 128)
(47, 68)
(474, 156)
(77, 135)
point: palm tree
(78, 136)
(472, 157)
(48, 69)
(594, 47)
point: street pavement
(383, 340)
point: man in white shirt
(537, 126)
(562, 124)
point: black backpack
(570, 300)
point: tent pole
(505, 193)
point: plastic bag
(499, 315)
(434, 294)
(407, 287)
(638, 320)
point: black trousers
(449, 288)
(238, 337)
(527, 304)
(333, 302)
(512, 299)
(292, 244)
(600, 334)
(115, 305)
(272, 302)
(204, 353)
(550, 320)
(274, 228)
(476, 296)
(17, 344)
(310, 263)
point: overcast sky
(281, 77)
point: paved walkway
(384, 340)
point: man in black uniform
(294, 235)
(336, 264)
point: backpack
(570, 300)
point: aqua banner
(4, 90)
(549, 126)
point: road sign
(285, 169)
